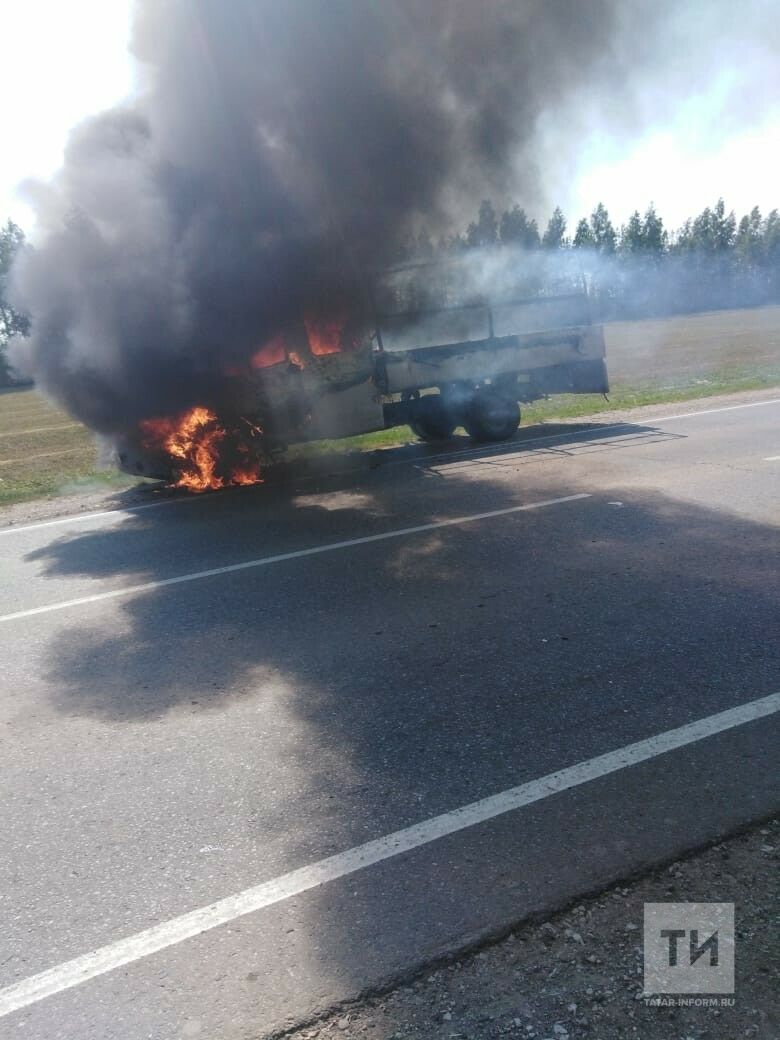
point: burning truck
(425, 352)
(215, 270)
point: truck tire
(493, 416)
(431, 419)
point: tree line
(640, 268)
(11, 323)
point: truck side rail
(480, 321)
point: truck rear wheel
(492, 417)
(431, 419)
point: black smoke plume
(276, 154)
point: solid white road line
(713, 411)
(772, 458)
(264, 561)
(115, 514)
(159, 937)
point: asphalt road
(354, 665)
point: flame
(325, 334)
(194, 440)
(247, 475)
(272, 352)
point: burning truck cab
(434, 356)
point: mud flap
(579, 377)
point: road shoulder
(579, 974)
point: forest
(639, 269)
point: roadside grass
(725, 381)
(43, 453)
(574, 406)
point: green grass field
(44, 453)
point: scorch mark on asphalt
(159, 937)
(295, 555)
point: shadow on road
(349, 694)
(393, 653)
(341, 468)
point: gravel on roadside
(580, 974)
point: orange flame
(246, 475)
(271, 353)
(325, 334)
(194, 441)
